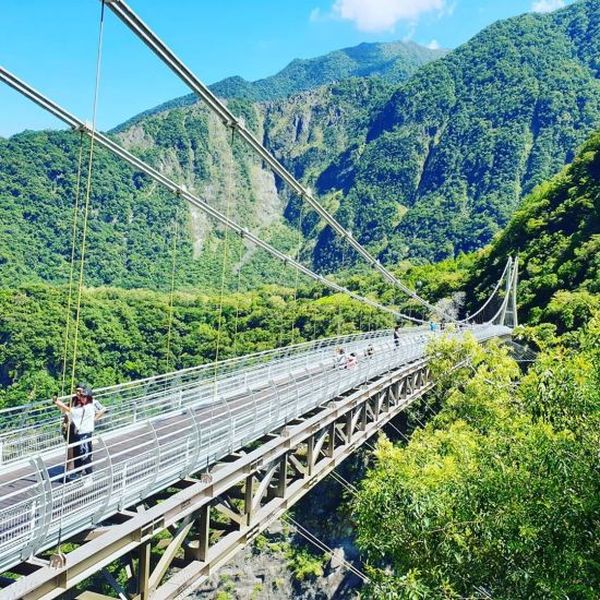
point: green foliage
(123, 334)
(498, 494)
(305, 565)
(467, 135)
(392, 62)
(556, 235)
(426, 169)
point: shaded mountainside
(394, 62)
(451, 153)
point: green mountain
(394, 62)
(556, 235)
(450, 155)
(423, 169)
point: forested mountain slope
(392, 61)
(132, 221)
(451, 153)
(498, 493)
(425, 169)
(556, 235)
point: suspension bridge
(215, 453)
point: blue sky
(51, 44)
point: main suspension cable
(182, 191)
(137, 26)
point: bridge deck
(130, 463)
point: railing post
(98, 514)
(45, 486)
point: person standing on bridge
(351, 361)
(397, 337)
(68, 429)
(340, 358)
(83, 417)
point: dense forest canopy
(556, 234)
(499, 494)
(457, 146)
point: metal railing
(183, 422)
(34, 428)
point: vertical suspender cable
(72, 267)
(339, 315)
(172, 292)
(88, 193)
(295, 303)
(83, 242)
(237, 299)
(225, 253)
(228, 193)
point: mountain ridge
(393, 61)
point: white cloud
(544, 6)
(382, 15)
(433, 45)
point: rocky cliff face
(281, 565)
(430, 167)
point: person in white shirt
(83, 417)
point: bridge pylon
(509, 315)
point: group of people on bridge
(344, 360)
